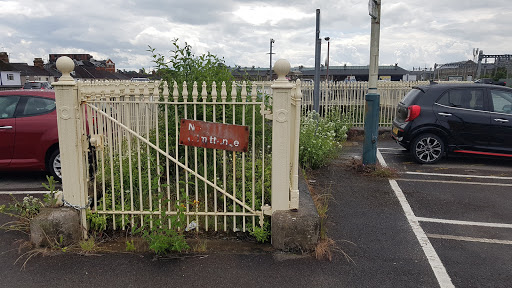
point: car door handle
(501, 120)
(444, 114)
(5, 127)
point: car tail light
(413, 112)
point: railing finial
(65, 66)
(282, 68)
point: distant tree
(501, 73)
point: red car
(28, 131)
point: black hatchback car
(455, 118)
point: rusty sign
(214, 135)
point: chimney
(4, 57)
(38, 62)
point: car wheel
(54, 166)
(427, 149)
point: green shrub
(320, 138)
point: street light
(327, 61)
(270, 70)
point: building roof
(26, 70)
(6, 67)
(455, 65)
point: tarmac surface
(365, 218)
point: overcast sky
(414, 33)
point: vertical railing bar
(254, 94)
(139, 162)
(215, 208)
(112, 180)
(102, 127)
(262, 112)
(129, 114)
(233, 100)
(204, 95)
(153, 94)
(175, 95)
(196, 183)
(184, 93)
(145, 95)
(119, 107)
(165, 94)
(244, 105)
(224, 179)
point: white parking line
(470, 239)
(455, 182)
(469, 223)
(435, 262)
(396, 149)
(22, 192)
(458, 175)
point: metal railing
(349, 97)
(130, 163)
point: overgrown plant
(321, 138)
(163, 232)
(262, 234)
(182, 65)
(22, 212)
(130, 246)
(50, 199)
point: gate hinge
(267, 210)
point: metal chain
(77, 207)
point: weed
(49, 199)
(22, 211)
(32, 253)
(262, 234)
(373, 170)
(130, 246)
(200, 246)
(164, 233)
(97, 223)
(322, 206)
(88, 245)
(326, 247)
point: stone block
(297, 231)
(55, 226)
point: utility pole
(371, 118)
(318, 46)
(270, 69)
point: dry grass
(326, 248)
(373, 170)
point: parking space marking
(470, 239)
(22, 192)
(469, 223)
(437, 266)
(455, 182)
(458, 175)
(397, 149)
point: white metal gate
(120, 150)
(140, 163)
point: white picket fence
(349, 97)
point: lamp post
(371, 118)
(327, 61)
(270, 69)
(318, 47)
